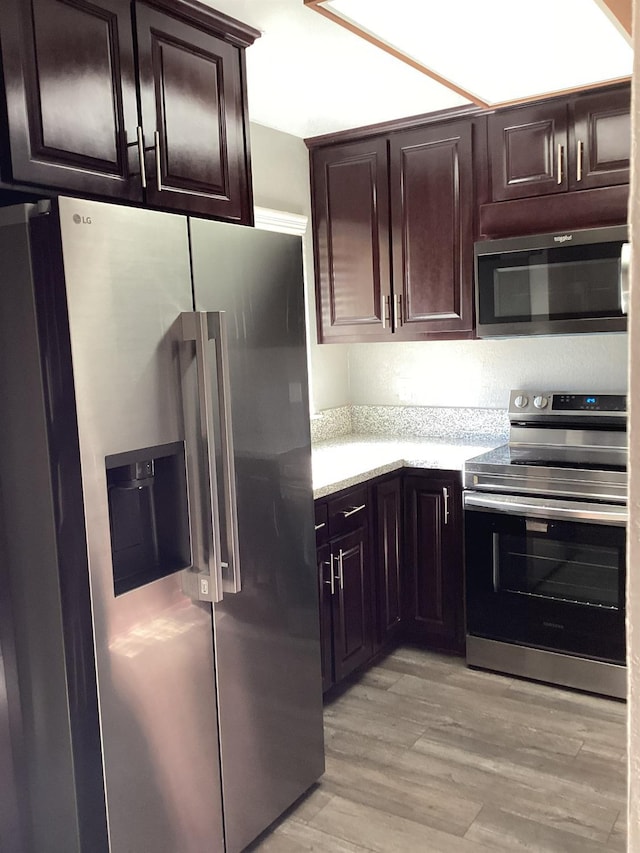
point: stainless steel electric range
(545, 540)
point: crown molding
(269, 219)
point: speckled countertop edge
(352, 459)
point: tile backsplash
(410, 421)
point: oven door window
(541, 562)
(549, 583)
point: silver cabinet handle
(625, 276)
(445, 495)
(205, 501)
(143, 169)
(341, 568)
(354, 509)
(579, 150)
(156, 145)
(331, 580)
(320, 526)
(397, 310)
(560, 159)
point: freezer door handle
(231, 578)
(205, 582)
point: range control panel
(524, 404)
(589, 402)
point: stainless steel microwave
(548, 284)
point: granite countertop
(351, 459)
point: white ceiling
(307, 75)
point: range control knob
(540, 402)
(521, 401)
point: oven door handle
(609, 514)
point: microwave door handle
(208, 577)
(218, 326)
(625, 276)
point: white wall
(481, 373)
(280, 164)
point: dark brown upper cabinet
(71, 95)
(554, 146)
(351, 228)
(192, 105)
(600, 139)
(75, 75)
(393, 227)
(431, 180)
(527, 147)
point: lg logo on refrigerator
(81, 220)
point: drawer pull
(320, 526)
(354, 509)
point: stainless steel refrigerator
(158, 597)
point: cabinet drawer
(322, 526)
(348, 512)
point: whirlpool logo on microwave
(562, 238)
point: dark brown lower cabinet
(345, 579)
(388, 558)
(389, 568)
(433, 598)
(352, 610)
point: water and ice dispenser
(148, 514)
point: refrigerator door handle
(231, 578)
(195, 327)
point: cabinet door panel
(432, 226)
(528, 151)
(600, 140)
(351, 219)
(388, 553)
(430, 562)
(352, 622)
(192, 101)
(71, 102)
(433, 530)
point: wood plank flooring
(424, 754)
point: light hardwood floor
(424, 754)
